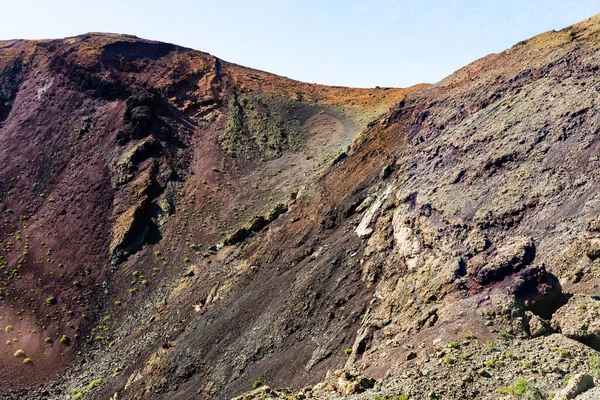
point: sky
(360, 43)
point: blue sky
(360, 43)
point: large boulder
(576, 385)
(537, 290)
(579, 319)
(517, 253)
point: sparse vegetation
(256, 384)
(523, 389)
(64, 340)
(77, 394)
(95, 383)
(347, 352)
(563, 353)
(449, 360)
(594, 363)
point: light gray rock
(579, 319)
(537, 325)
(577, 385)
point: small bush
(347, 352)
(51, 301)
(256, 384)
(48, 340)
(95, 383)
(504, 335)
(563, 353)
(453, 345)
(27, 360)
(523, 389)
(517, 388)
(19, 353)
(595, 365)
(449, 360)
(8, 328)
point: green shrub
(563, 353)
(595, 365)
(77, 394)
(449, 360)
(95, 383)
(523, 389)
(64, 340)
(517, 388)
(347, 352)
(51, 301)
(256, 384)
(504, 335)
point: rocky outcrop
(579, 319)
(517, 253)
(256, 224)
(577, 385)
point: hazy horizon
(355, 43)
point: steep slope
(445, 250)
(127, 164)
(194, 227)
(478, 209)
